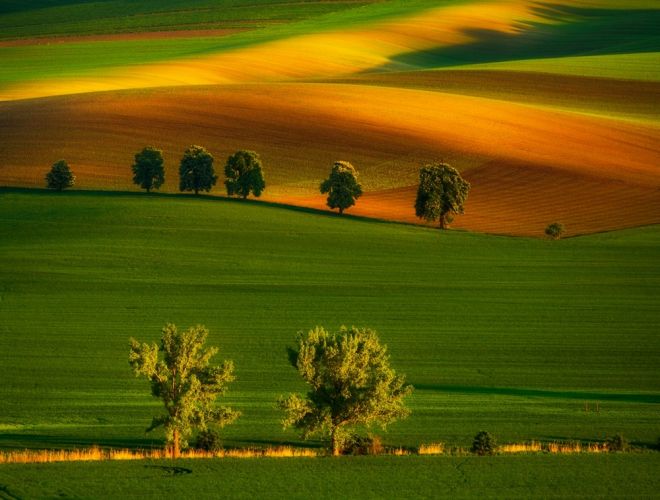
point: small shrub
(483, 444)
(208, 440)
(618, 443)
(554, 230)
(363, 445)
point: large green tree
(148, 172)
(181, 377)
(441, 194)
(196, 172)
(342, 186)
(244, 174)
(351, 383)
(60, 176)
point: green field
(510, 335)
(609, 476)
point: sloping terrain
(551, 109)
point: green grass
(608, 476)
(642, 66)
(503, 334)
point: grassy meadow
(594, 476)
(510, 335)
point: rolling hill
(550, 109)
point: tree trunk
(148, 189)
(176, 444)
(196, 191)
(334, 439)
(341, 210)
(245, 196)
(443, 224)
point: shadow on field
(204, 198)
(539, 393)
(48, 441)
(565, 31)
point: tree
(554, 230)
(148, 172)
(185, 382)
(60, 176)
(196, 170)
(244, 174)
(342, 186)
(351, 383)
(483, 444)
(441, 193)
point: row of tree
(243, 171)
(348, 373)
(441, 194)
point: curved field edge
(353, 477)
(554, 164)
(505, 334)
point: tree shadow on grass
(539, 393)
(49, 441)
(204, 198)
(564, 31)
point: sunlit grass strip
(532, 447)
(563, 448)
(577, 448)
(431, 449)
(98, 454)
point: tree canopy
(351, 383)
(342, 186)
(181, 377)
(441, 193)
(60, 176)
(554, 230)
(244, 174)
(196, 172)
(148, 172)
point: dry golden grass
(577, 448)
(98, 454)
(528, 166)
(532, 447)
(431, 449)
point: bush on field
(483, 444)
(208, 440)
(618, 443)
(363, 445)
(555, 230)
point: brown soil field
(528, 166)
(621, 98)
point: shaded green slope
(564, 31)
